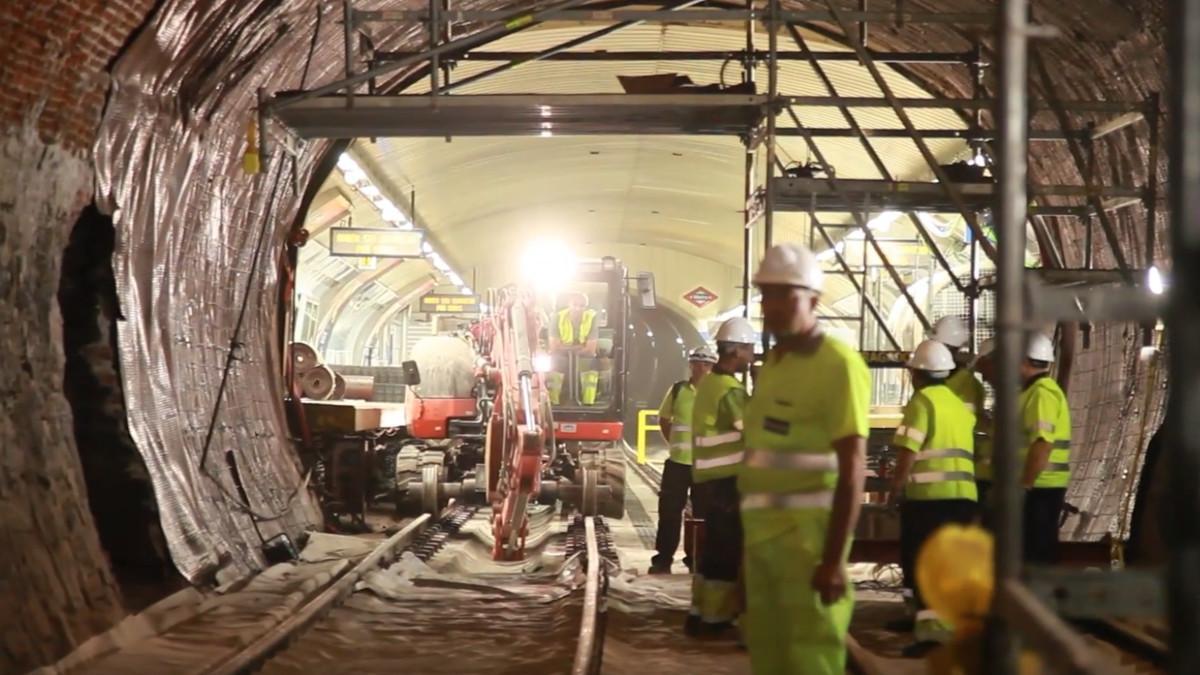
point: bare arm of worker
(829, 579)
(1036, 461)
(589, 348)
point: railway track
(425, 539)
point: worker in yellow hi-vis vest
(1045, 452)
(801, 481)
(716, 453)
(934, 476)
(675, 422)
(574, 333)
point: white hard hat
(702, 354)
(737, 329)
(1040, 347)
(932, 356)
(790, 264)
(950, 331)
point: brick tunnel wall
(54, 577)
(56, 56)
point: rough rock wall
(54, 577)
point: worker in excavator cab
(675, 422)
(801, 481)
(574, 333)
(1045, 450)
(716, 455)
(934, 479)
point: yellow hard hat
(955, 575)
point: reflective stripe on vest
(822, 499)
(709, 463)
(1057, 473)
(765, 459)
(717, 447)
(718, 439)
(944, 467)
(566, 329)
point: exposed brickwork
(54, 577)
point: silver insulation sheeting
(169, 169)
(168, 162)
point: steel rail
(588, 648)
(256, 653)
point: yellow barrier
(643, 426)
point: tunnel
(172, 188)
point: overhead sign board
(447, 303)
(385, 242)
(700, 296)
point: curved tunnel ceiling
(666, 204)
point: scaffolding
(996, 207)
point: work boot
(659, 569)
(692, 626)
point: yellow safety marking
(644, 426)
(519, 21)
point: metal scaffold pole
(1011, 114)
(1181, 520)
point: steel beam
(1055, 304)
(1181, 520)
(1064, 122)
(1067, 652)
(940, 134)
(1011, 173)
(952, 192)
(862, 224)
(850, 274)
(880, 166)
(515, 23)
(923, 58)
(693, 16)
(957, 103)
(560, 49)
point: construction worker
(802, 477)
(985, 366)
(934, 480)
(1046, 450)
(716, 453)
(575, 335)
(951, 332)
(675, 423)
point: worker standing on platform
(716, 455)
(935, 473)
(802, 477)
(575, 335)
(675, 422)
(1046, 451)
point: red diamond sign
(700, 296)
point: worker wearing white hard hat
(802, 476)
(675, 424)
(953, 333)
(717, 450)
(1045, 449)
(934, 475)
